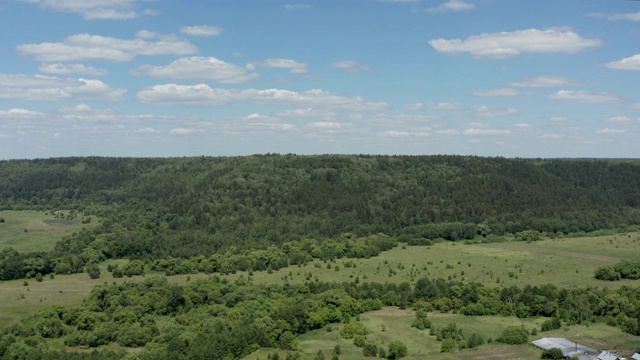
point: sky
(159, 78)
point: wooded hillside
(191, 205)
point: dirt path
(524, 247)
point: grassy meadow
(30, 231)
(564, 262)
(392, 323)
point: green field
(397, 326)
(29, 231)
(564, 262)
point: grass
(397, 326)
(30, 231)
(564, 262)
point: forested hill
(189, 206)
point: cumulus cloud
(202, 94)
(507, 44)
(18, 113)
(182, 131)
(94, 9)
(198, 68)
(501, 92)
(65, 69)
(96, 47)
(293, 66)
(619, 119)
(584, 97)
(201, 30)
(453, 5)
(476, 131)
(630, 63)
(47, 88)
(350, 65)
(625, 16)
(397, 133)
(307, 113)
(442, 106)
(487, 112)
(550, 136)
(545, 81)
(448, 132)
(559, 118)
(608, 131)
(330, 125)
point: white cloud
(476, 131)
(625, 16)
(545, 81)
(453, 5)
(584, 97)
(65, 69)
(94, 9)
(202, 94)
(18, 113)
(550, 136)
(630, 63)
(307, 113)
(523, 125)
(507, 44)
(198, 68)
(396, 133)
(46, 88)
(201, 30)
(292, 7)
(636, 106)
(608, 131)
(448, 132)
(487, 112)
(96, 47)
(331, 125)
(147, 130)
(442, 106)
(293, 66)
(559, 118)
(350, 65)
(501, 92)
(182, 131)
(619, 119)
(399, 1)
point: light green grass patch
(30, 231)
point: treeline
(625, 269)
(217, 319)
(187, 207)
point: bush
(553, 353)
(551, 324)
(370, 350)
(514, 335)
(93, 271)
(397, 350)
(352, 329)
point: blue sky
(236, 77)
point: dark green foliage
(551, 324)
(93, 271)
(397, 350)
(625, 269)
(514, 335)
(370, 350)
(553, 353)
(421, 322)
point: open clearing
(30, 231)
(564, 262)
(392, 323)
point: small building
(606, 355)
(568, 347)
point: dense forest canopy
(190, 206)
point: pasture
(391, 324)
(564, 262)
(30, 231)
